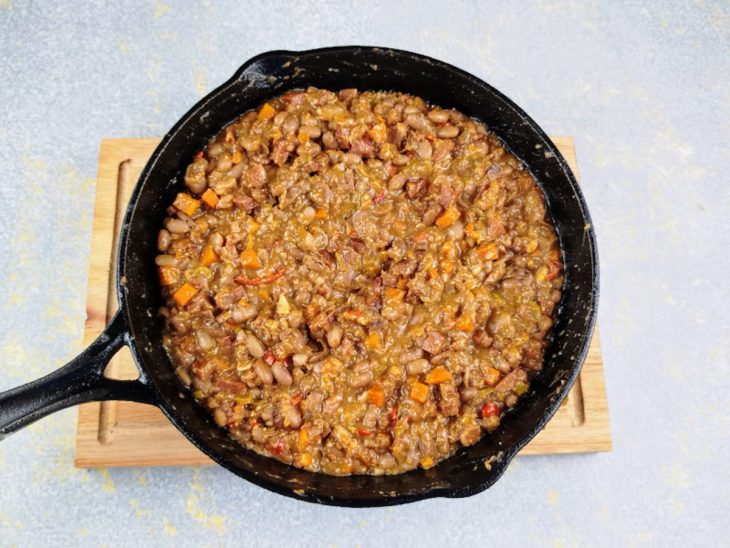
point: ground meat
(434, 342)
(357, 282)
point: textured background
(643, 88)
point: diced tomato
(490, 409)
(277, 447)
(363, 433)
(270, 358)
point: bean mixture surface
(357, 282)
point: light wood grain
(140, 435)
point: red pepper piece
(490, 409)
(243, 280)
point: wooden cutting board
(133, 434)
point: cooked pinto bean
(263, 372)
(357, 282)
(163, 240)
(281, 374)
(254, 346)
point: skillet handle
(79, 381)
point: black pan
(137, 325)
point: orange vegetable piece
(210, 198)
(447, 266)
(321, 214)
(183, 295)
(373, 341)
(376, 395)
(303, 138)
(438, 375)
(186, 203)
(208, 256)
(488, 252)
(250, 260)
(237, 157)
(379, 133)
(168, 275)
(419, 392)
(303, 438)
(465, 323)
(393, 294)
(448, 217)
(304, 460)
(352, 314)
(266, 113)
(492, 376)
(426, 463)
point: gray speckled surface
(644, 90)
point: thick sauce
(357, 283)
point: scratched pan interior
(271, 74)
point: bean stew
(357, 282)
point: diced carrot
(210, 198)
(419, 392)
(448, 248)
(304, 459)
(266, 113)
(168, 275)
(488, 252)
(438, 375)
(186, 203)
(250, 260)
(469, 229)
(303, 437)
(237, 157)
(321, 214)
(393, 294)
(447, 265)
(183, 295)
(352, 314)
(373, 341)
(376, 395)
(302, 137)
(433, 273)
(465, 323)
(420, 236)
(208, 256)
(492, 376)
(379, 133)
(448, 217)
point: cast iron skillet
(136, 325)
